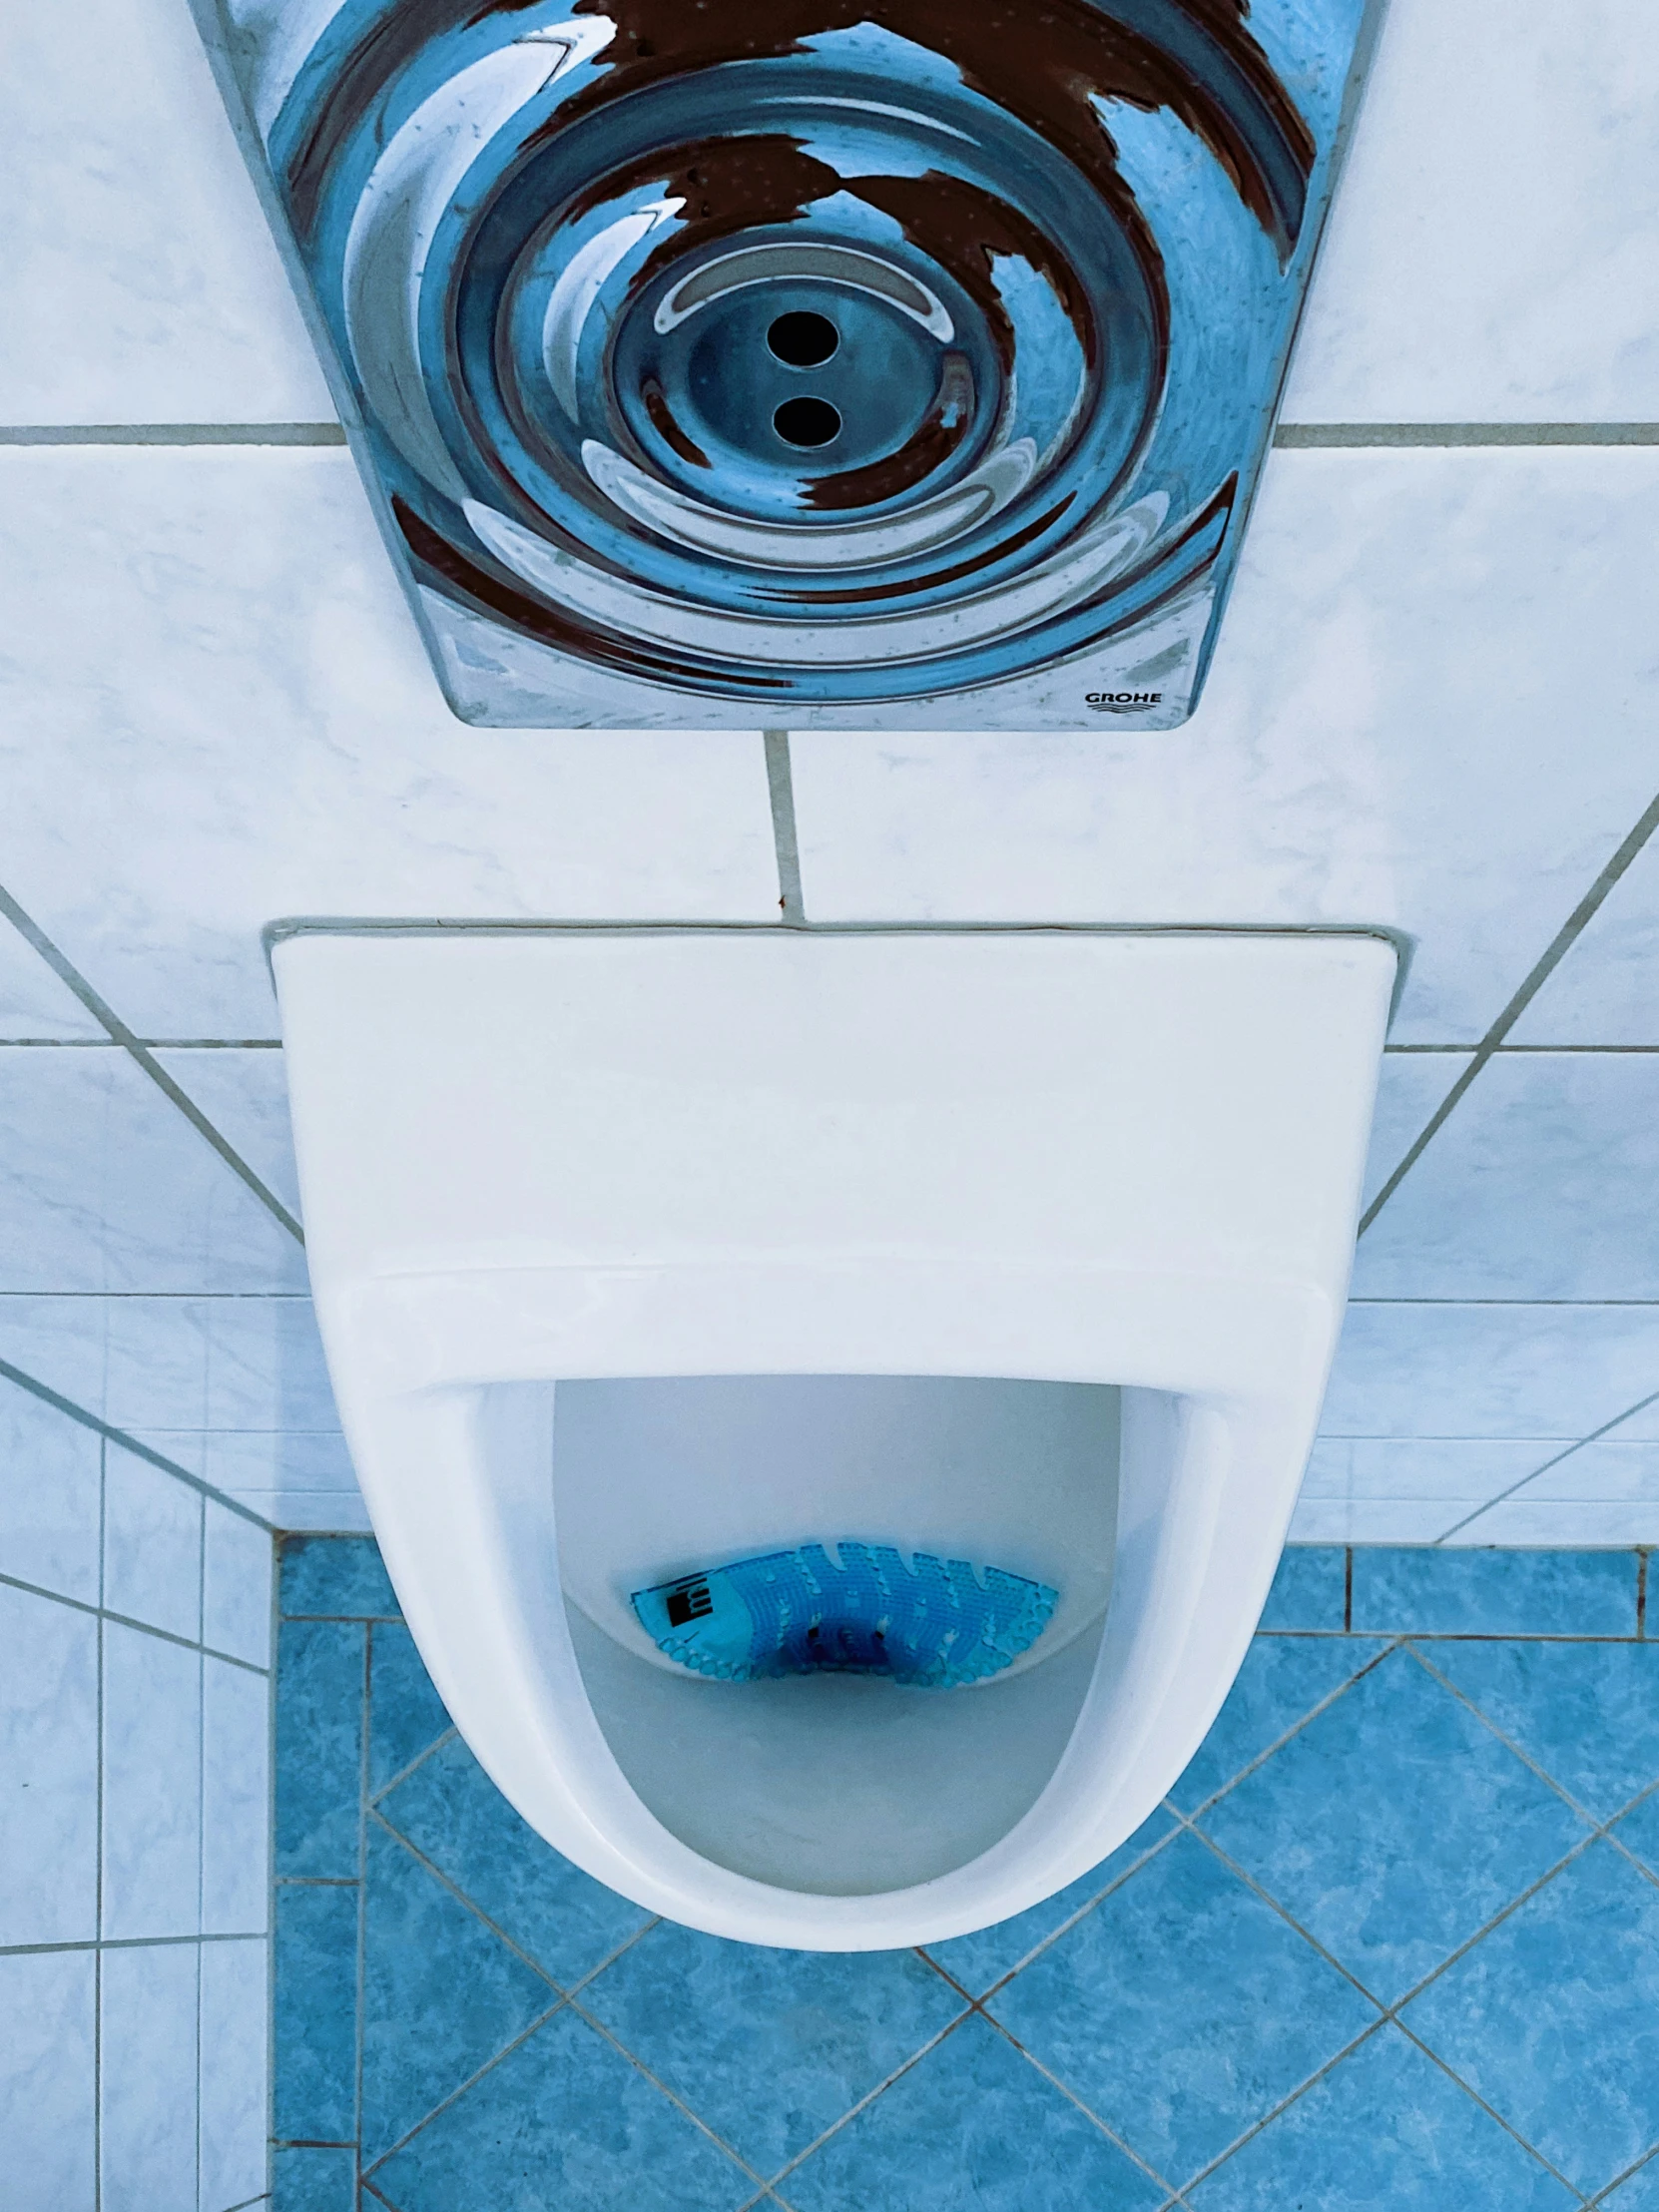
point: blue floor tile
(971, 2126)
(442, 1993)
(769, 2047)
(1587, 1713)
(563, 2124)
(1384, 2131)
(315, 2012)
(1554, 2018)
(979, 1962)
(336, 1576)
(1182, 2008)
(1418, 1590)
(1282, 1680)
(405, 1713)
(1310, 1590)
(451, 1811)
(1393, 1826)
(321, 1671)
(313, 2179)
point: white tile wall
(133, 1748)
(1527, 1192)
(260, 735)
(48, 1769)
(1604, 991)
(142, 282)
(47, 2085)
(1428, 709)
(1494, 254)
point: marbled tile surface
(1392, 1944)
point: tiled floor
(1391, 1946)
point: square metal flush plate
(830, 363)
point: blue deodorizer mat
(934, 1624)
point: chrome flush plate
(828, 363)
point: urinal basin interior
(833, 1784)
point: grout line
(1347, 1590)
(111, 1434)
(1641, 1596)
(1288, 437)
(1258, 2126)
(172, 433)
(786, 843)
(70, 975)
(1390, 2011)
(1595, 1435)
(869, 2099)
(366, 1710)
(1619, 2181)
(129, 1942)
(1305, 435)
(657, 2082)
(98, 1860)
(126, 1620)
(421, 1757)
(373, 1812)
(523, 2036)
(1173, 2195)
(1054, 1935)
(1491, 2111)
(1553, 954)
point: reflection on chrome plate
(815, 362)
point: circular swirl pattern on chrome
(831, 350)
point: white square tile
(236, 1599)
(233, 2087)
(148, 2072)
(236, 1800)
(48, 2085)
(260, 736)
(1493, 253)
(1607, 990)
(58, 1341)
(33, 1002)
(264, 1365)
(152, 1785)
(152, 1544)
(244, 1093)
(142, 282)
(105, 1185)
(1543, 1183)
(1488, 1370)
(48, 1771)
(1386, 738)
(49, 1484)
(157, 1374)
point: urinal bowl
(634, 1252)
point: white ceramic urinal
(639, 1252)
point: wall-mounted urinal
(831, 1402)
(810, 363)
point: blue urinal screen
(934, 1624)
